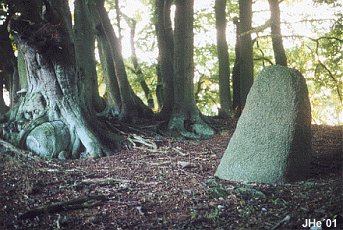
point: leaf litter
(169, 185)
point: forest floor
(171, 187)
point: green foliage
(194, 214)
(214, 215)
(335, 3)
(320, 60)
(245, 210)
(215, 189)
(206, 79)
(250, 193)
(204, 17)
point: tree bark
(185, 119)
(279, 51)
(236, 104)
(246, 49)
(22, 71)
(165, 42)
(84, 36)
(223, 58)
(112, 88)
(118, 14)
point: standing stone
(48, 139)
(272, 141)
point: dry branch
(281, 222)
(78, 203)
(104, 181)
(138, 139)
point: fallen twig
(281, 222)
(78, 203)
(138, 139)
(180, 152)
(105, 181)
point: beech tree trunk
(246, 49)
(112, 87)
(279, 51)
(185, 119)
(223, 58)
(45, 39)
(112, 95)
(136, 67)
(236, 103)
(131, 106)
(165, 42)
(84, 34)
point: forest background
(311, 33)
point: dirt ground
(171, 187)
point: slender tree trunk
(246, 49)
(185, 119)
(279, 51)
(236, 73)
(118, 14)
(128, 110)
(165, 41)
(112, 87)
(137, 69)
(84, 34)
(223, 58)
(159, 89)
(131, 106)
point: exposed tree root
(16, 151)
(190, 127)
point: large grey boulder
(48, 139)
(272, 141)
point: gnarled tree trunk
(45, 39)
